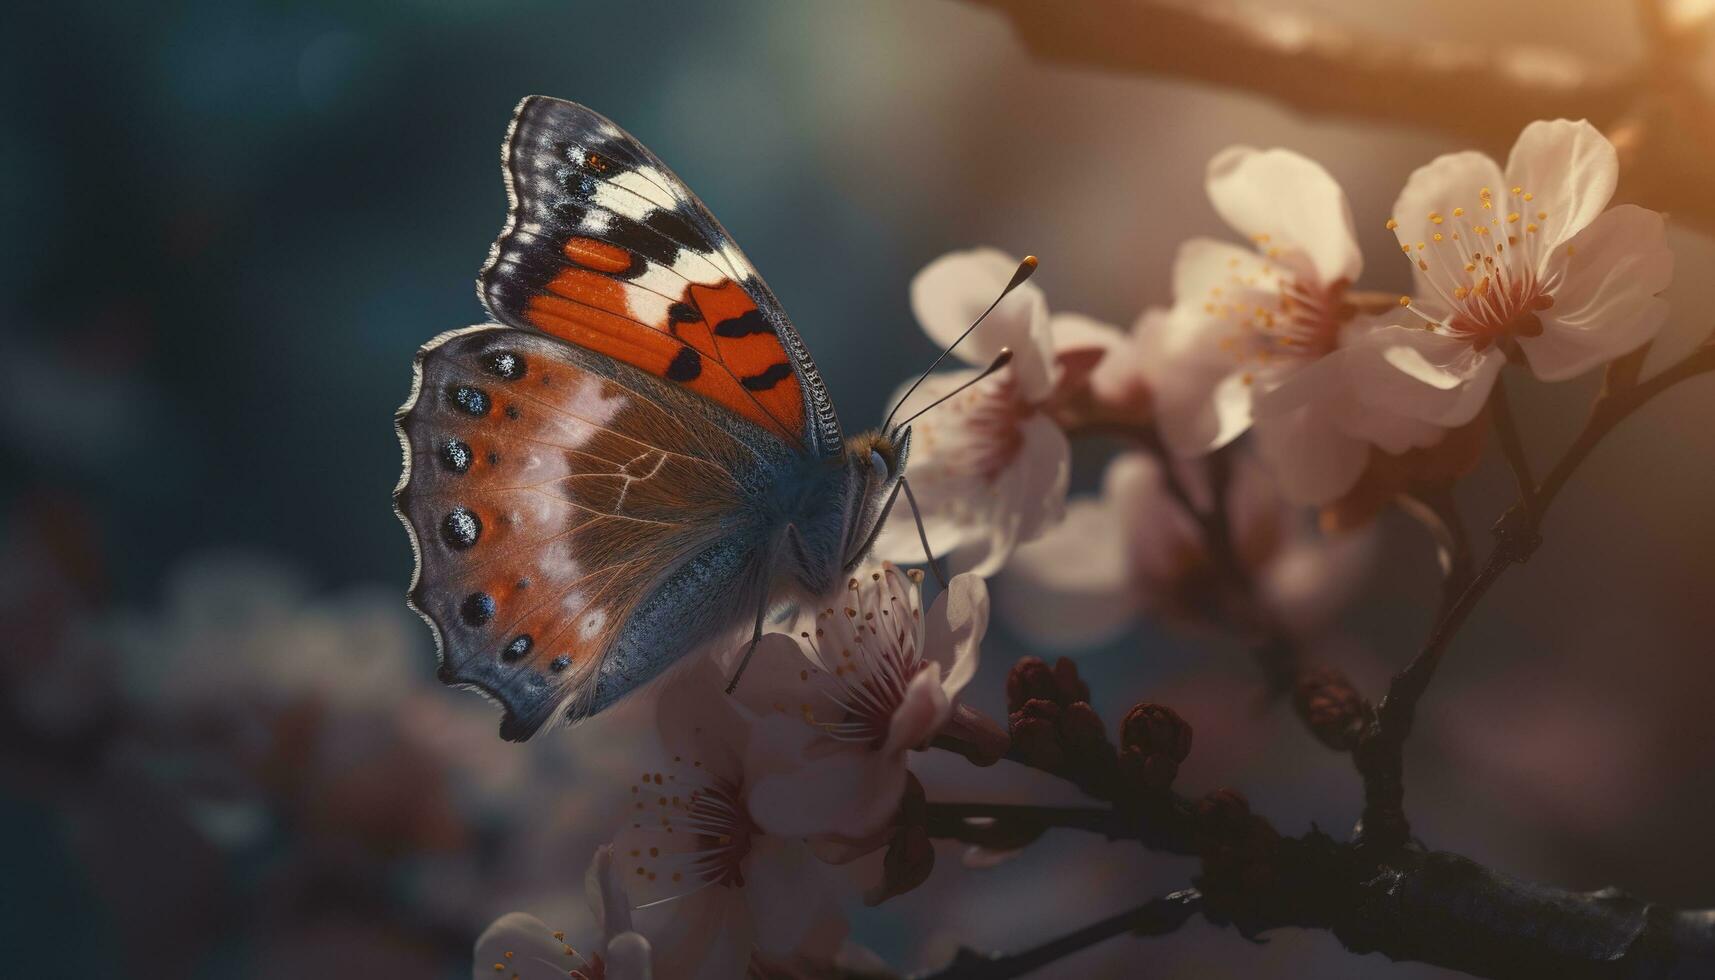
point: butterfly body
(639, 459)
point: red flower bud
(1331, 707)
(1032, 678)
(1154, 740)
(1035, 728)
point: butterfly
(638, 457)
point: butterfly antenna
(1025, 268)
(1000, 360)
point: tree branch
(1654, 111)
(1434, 907)
(1156, 917)
(1380, 752)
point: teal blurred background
(227, 226)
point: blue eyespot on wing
(549, 493)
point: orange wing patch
(713, 340)
(749, 347)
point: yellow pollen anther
(1512, 217)
(1420, 246)
(1434, 217)
(1529, 228)
(1529, 196)
(1405, 301)
(1437, 236)
(1460, 292)
(1458, 212)
(1392, 224)
(1404, 247)
(1518, 190)
(1485, 192)
(1423, 265)
(1542, 215)
(1469, 267)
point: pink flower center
(723, 832)
(1296, 320)
(871, 649)
(978, 434)
(1484, 266)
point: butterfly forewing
(607, 249)
(547, 493)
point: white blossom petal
(784, 910)
(1606, 305)
(1444, 196)
(1308, 453)
(951, 292)
(954, 630)
(1570, 170)
(524, 946)
(1423, 374)
(1291, 207)
(1200, 396)
(923, 710)
(1070, 589)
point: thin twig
(1434, 506)
(1612, 408)
(1380, 753)
(1156, 917)
(1512, 445)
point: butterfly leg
(755, 638)
(875, 531)
(922, 535)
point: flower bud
(1035, 728)
(1083, 733)
(1032, 678)
(1154, 740)
(1331, 707)
(1224, 813)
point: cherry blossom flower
(520, 947)
(711, 888)
(1257, 337)
(989, 467)
(863, 681)
(1136, 551)
(1524, 260)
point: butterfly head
(879, 455)
(877, 461)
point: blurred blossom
(1136, 551)
(1257, 338)
(989, 468)
(266, 717)
(1524, 260)
(520, 947)
(861, 685)
(711, 887)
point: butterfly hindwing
(551, 494)
(607, 249)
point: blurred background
(227, 226)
